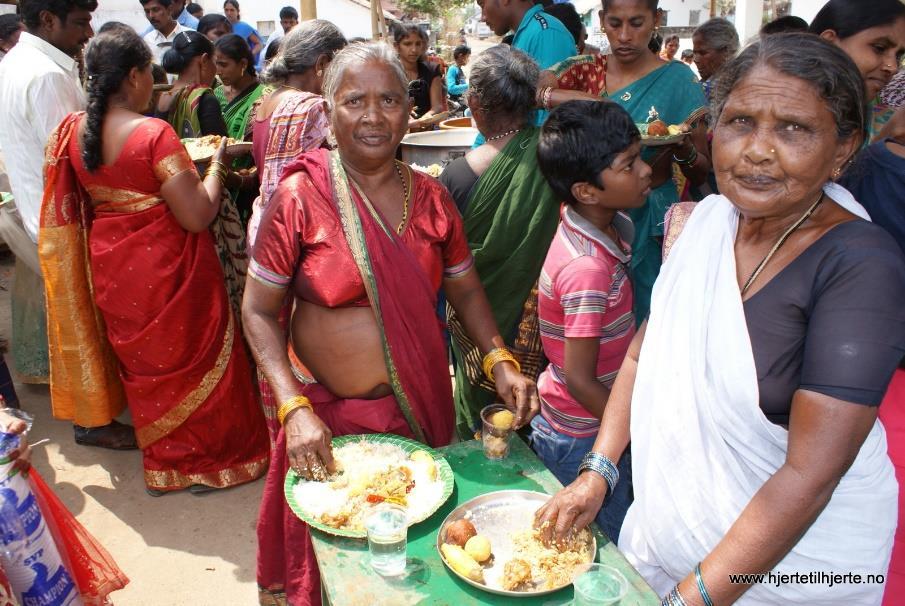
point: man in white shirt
(39, 86)
(160, 39)
(181, 14)
(289, 18)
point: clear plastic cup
(387, 530)
(599, 585)
(495, 436)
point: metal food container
(497, 516)
(437, 146)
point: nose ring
(772, 151)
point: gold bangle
(293, 403)
(494, 357)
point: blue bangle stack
(603, 465)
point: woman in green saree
(192, 109)
(637, 79)
(238, 97)
(510, 217)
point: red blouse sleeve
(278, 242)
(168, 155)
(457, 258)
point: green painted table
(348, 580)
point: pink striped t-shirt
(584, 291)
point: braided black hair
(109, 59)
(187, 45)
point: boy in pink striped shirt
(590, 153)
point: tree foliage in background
(434, 8)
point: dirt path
(177, 549)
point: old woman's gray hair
(825, 67)
(301, 48)
(719, 34)
(358, 56)
(504, 80)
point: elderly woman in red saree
(362, 243)
(137, 306)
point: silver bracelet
(673, 598)
(602, 465)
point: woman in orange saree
(137, 304)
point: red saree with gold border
(404, 301)
(138, 305)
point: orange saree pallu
(113, 250)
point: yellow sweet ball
(502, 419)
(478, 547)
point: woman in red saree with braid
(137, 305)
(363, 245)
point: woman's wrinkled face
(370, 114)
(775, 144)
(708, 59)
(876, 51)
(629, 25)
(230, 71)
(410, 48)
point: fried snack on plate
(478, 547)
(462, 563)
(459, 532)
(516, 573)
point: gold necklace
(405, 199)
(782, 240)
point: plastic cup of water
(387, 530)
(495, 438)
(599, 585)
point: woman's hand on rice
(518, 392)
(308, 445)
(572, 508)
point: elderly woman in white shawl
(751, 397)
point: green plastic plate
(444, 474)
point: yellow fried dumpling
(478, 547)
(502, 419)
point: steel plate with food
(371, 469)
(202, 149)
(658, 133)
(489, 542)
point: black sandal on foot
(115, 436)
(155, 493)
(199, 489)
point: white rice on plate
(344, 495)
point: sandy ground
(176, 549)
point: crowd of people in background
(697, 339)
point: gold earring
(320, 73)
(837, 172)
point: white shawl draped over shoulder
(701, 447)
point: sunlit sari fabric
(394, 280)
(126, 280)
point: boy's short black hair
(579, 140)
(287, 12)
